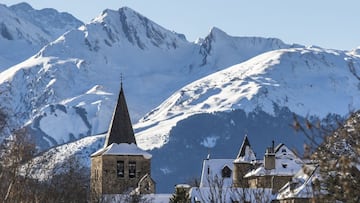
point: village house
(278, 177)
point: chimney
(269, 158)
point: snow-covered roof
(286, 164)
(122, 149)
(212, 169)
(158, 198)
(206, 194)
(248, 156)
(301, 185)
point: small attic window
(284, 165)
(226, 172)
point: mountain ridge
(25, 30)
(92, 57)
(198, 96)
(249, 86)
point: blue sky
(325, 23)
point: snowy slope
(24, 30)
(308, 81)
(49, 20)
(74, 80)
(67, 91)
(257, 97)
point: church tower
(243, 164)
(120, 166)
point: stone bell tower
(120, 166)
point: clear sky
(326, 23)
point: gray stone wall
(240, 169)
(96, 178)
(105, 179)
(117, 185)
(274, 182)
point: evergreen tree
(181, 195)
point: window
(132, 169)
(226, 172)
(120, 168)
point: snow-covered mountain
(258, 97)
(74, 80)
(199, 97)
(307, 81)
(24, 30)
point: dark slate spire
(120, 130)
(243, 147)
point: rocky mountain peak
(139, 30)
(23, 6)
(51, 21)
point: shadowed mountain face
(220, 135)
(24, 31)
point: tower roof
(120, 130)
(246, 154)
(242, 150)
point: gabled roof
(212, 170)
(233, 194)
(287, 163)
(279, 147)
(301, 185)
(120, 130)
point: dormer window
(226, 172)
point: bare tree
(68, 183)
(16, 154)
(215, 192)
(251, 194)
(335, 145)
